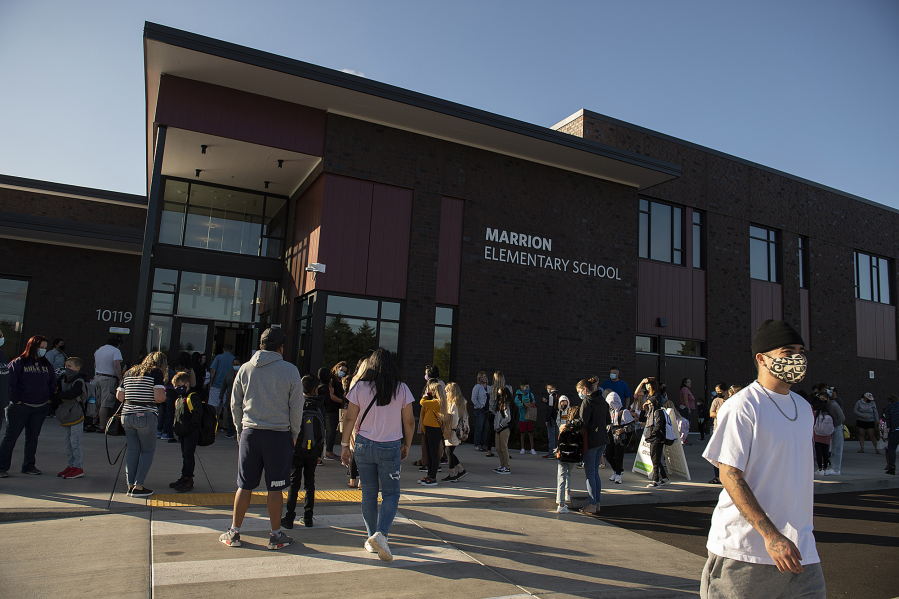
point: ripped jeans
(379, 470)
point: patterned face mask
(789, 369)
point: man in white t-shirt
(761, 542)
(108, 375)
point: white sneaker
(533, 451)
(618, 478)
(379, 543)
(368, 546)
(834, 472)
(522, 450)
(828, 472)
(612, 478)
(562, 510)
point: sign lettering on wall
(113, 316)
(536, 258)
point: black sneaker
(187, 485)
(145, 492)
(229, 435)
(4, 474)
(307, 522)
(428, 482)
(177, 483)
(449, 479)
(287, 520)
(460, 475)
(173, 440)
(34, 471)
(423, 469)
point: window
(198, 295)
(648, 345)
(872, 278)
(355, 327)
(697, 240)
(13, 293)
(443, 341)
(661, 226)
(763, 257)
(682, 347)
(222, 219)
(803, 262)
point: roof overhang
(175, 52)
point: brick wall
(36, 203)
(529, 322)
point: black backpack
(571, 445)
(209, 423)
(312, 433)
(188, 414)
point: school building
(356, 214)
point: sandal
(353, 485)
(861, 451)
(489, 454)
(418, 463)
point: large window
(222, 219)
(872, 278)
(13, 293)
(661, 228)
(763, 254)
(355, 327)
(698, 258)
(443, 341)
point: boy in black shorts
(306, 452)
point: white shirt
(777, 460)
(104, 358)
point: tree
(442, 359)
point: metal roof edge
(73, 191)
(290, 66)
(695, 146)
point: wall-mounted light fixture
(203, 149)
(198, 173)
(280, 164)
(266, 184)
(663, 322)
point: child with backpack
(74, 392)
(187, 423)
(527, 414)
(821, 434)
(454, 421)
(569, 452)
(658, 428)
(306, 452)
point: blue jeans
(552, 435)
(591, 469)
(480, 427)
(72, 436)
(22, 418)
(140, 432)
(892, 442)
(166, 419)
(379, 466)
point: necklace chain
(795, 407)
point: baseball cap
(272, 338)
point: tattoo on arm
(745, 500)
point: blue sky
(806, 87)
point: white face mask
(582, 395)
(41, 352)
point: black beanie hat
(772, 334)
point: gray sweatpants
(724, 578)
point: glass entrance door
(192, 336)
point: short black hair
(614, 368)
(57, 340)
(227, 347)
(310, 384)
(432, 371)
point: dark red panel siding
(449, 253)
(767, 302)
(698, 301)
(346, 222)
(308, 232)
(235, 114)
(388, 256)
(670, 292)
(806, 331)
(876, 330)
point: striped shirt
(139, 392)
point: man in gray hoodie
(267, 405)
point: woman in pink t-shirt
(379, 413)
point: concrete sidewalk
(533, 479)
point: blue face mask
(2, 339)
(41, 352)
(236, 368)
(582, 395)
(613, 376)
(341, 373)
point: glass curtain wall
(443, 341)
(13, 293)
(222, 219)
(355, 327)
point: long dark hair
(382, 370)
(182, 361)
(31, 348)
(683, 383)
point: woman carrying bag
(379, 418)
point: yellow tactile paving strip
(259, 498)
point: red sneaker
(64, 472)
(75, 473)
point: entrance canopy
(188, 56)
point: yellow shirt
(430, 408)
